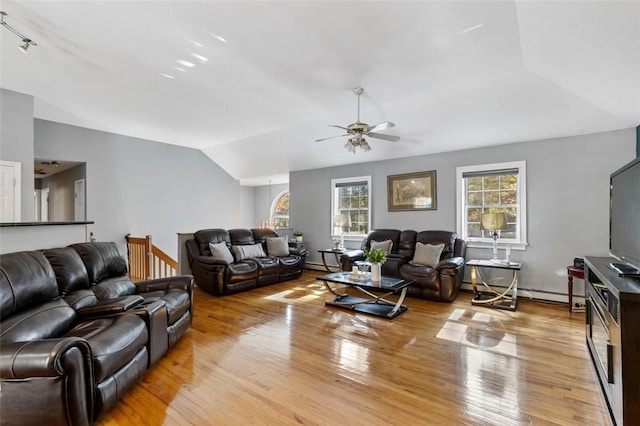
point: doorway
(78, 201)
(10, 190)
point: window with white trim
(351, 207)
(492, 188)
(280, 211)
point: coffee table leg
(338, 295)
(398, 305)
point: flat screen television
(624, 219)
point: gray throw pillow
(427, 254)
(278, 246)
(248, 251)
(386, 245)
(221, 252)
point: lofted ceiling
(253, 83)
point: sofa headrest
(71, 274)
(260, 235)
(241, 237)
(102, 260)
(26, 280)
(447, 238)
(383, 235)
(206, 236)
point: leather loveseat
(68, 351)
(440, 281)
(242, 259)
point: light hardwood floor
(276, 355)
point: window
(351, 206)
(492, 188)
(280, 211)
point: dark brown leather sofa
(441, 282)
(220, 277)
(70, 344)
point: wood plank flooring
(277, 356)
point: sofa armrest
(182, 282)
(155, 317)
(40, 358)
(450, 263)
(110, 306)
(347, 259)
(302, 252)
(41, 371)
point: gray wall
(567, 185)
(16, 142)
(143, 187)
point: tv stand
(624, 270)
(613, 336)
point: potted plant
(376, 257)
(298, 235)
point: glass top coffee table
(376, 291)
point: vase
(299, 239)
(375, 271)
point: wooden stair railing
(146, 261)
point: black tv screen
(624, 236)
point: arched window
(280, 211)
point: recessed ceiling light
(222, 39)
(166, 75)
(185, 63)
(181, 69)
(199, 57)
(195, 43)
(475, 27)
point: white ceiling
(450, 74)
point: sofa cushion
(114, 341)
(278, 246)
(248, 251)
(47, 320)
(176, 300)
(71, 274)
(386, 245)
(427, 255)
(220, 252)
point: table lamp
(494, 222)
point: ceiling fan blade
(380, 126)
(331, 137)
(339, 127)
(391, 138)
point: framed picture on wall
(412, 191)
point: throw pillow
(248, 251)
(427, 254)
(220, 252)
(385, 245)
(278, 246)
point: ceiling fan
(359, 130)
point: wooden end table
(573, 272)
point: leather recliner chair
(108, 275)
(56, 366)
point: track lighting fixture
(27, 42)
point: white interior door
(10, 187)
(78, 201)
(36, 205)
(44, 204)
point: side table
(337, 253)
(573, 272)
(506, 299)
